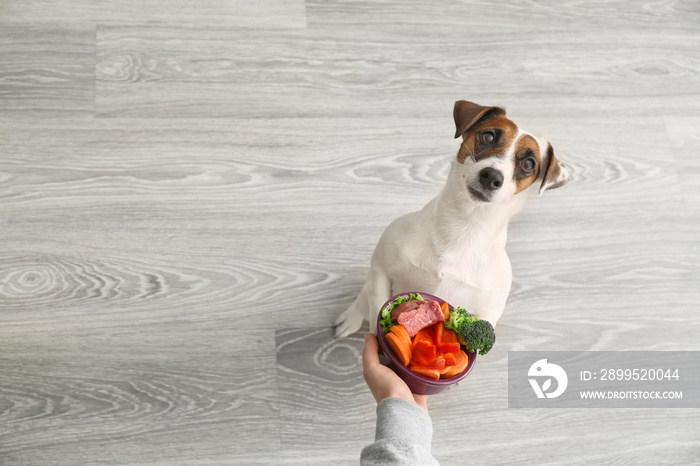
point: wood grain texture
(684, 139)
(135, 395)
(278, 14)
(307, 360)
(47, 69)
(190, 193)
(384, 73)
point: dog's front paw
(348, 323)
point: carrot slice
(445, 308)
(401, 351)
(402, 334)
(438, 364)
(446, 339)
(430, 373)
(450, 359)
(423, 353)
(425, 334)
(462, 361)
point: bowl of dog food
(422, 338)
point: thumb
(371, 349)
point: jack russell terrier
(455, 247)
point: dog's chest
(464, 280)
(466, 271)
(434, 263)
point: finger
(370, 354)
(370, 361)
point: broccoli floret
(473, 332)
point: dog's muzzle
(491, 179)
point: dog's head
(498, 159)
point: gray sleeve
(404, 435)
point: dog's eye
(488, 137)
(528, 165)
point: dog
(454, 247)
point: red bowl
(419, 384)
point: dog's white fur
(453, 248)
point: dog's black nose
(490, 178)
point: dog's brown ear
(468, 113)
(556, 174)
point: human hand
(382, 381)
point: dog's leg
(379, 290)
(375, 292)
(350, 321)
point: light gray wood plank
(684, 138)
(136, 393)
(48, 69)
(314, 74)
(474, 19)
(310, 358)
(235, 13)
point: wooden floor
(190, 193)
